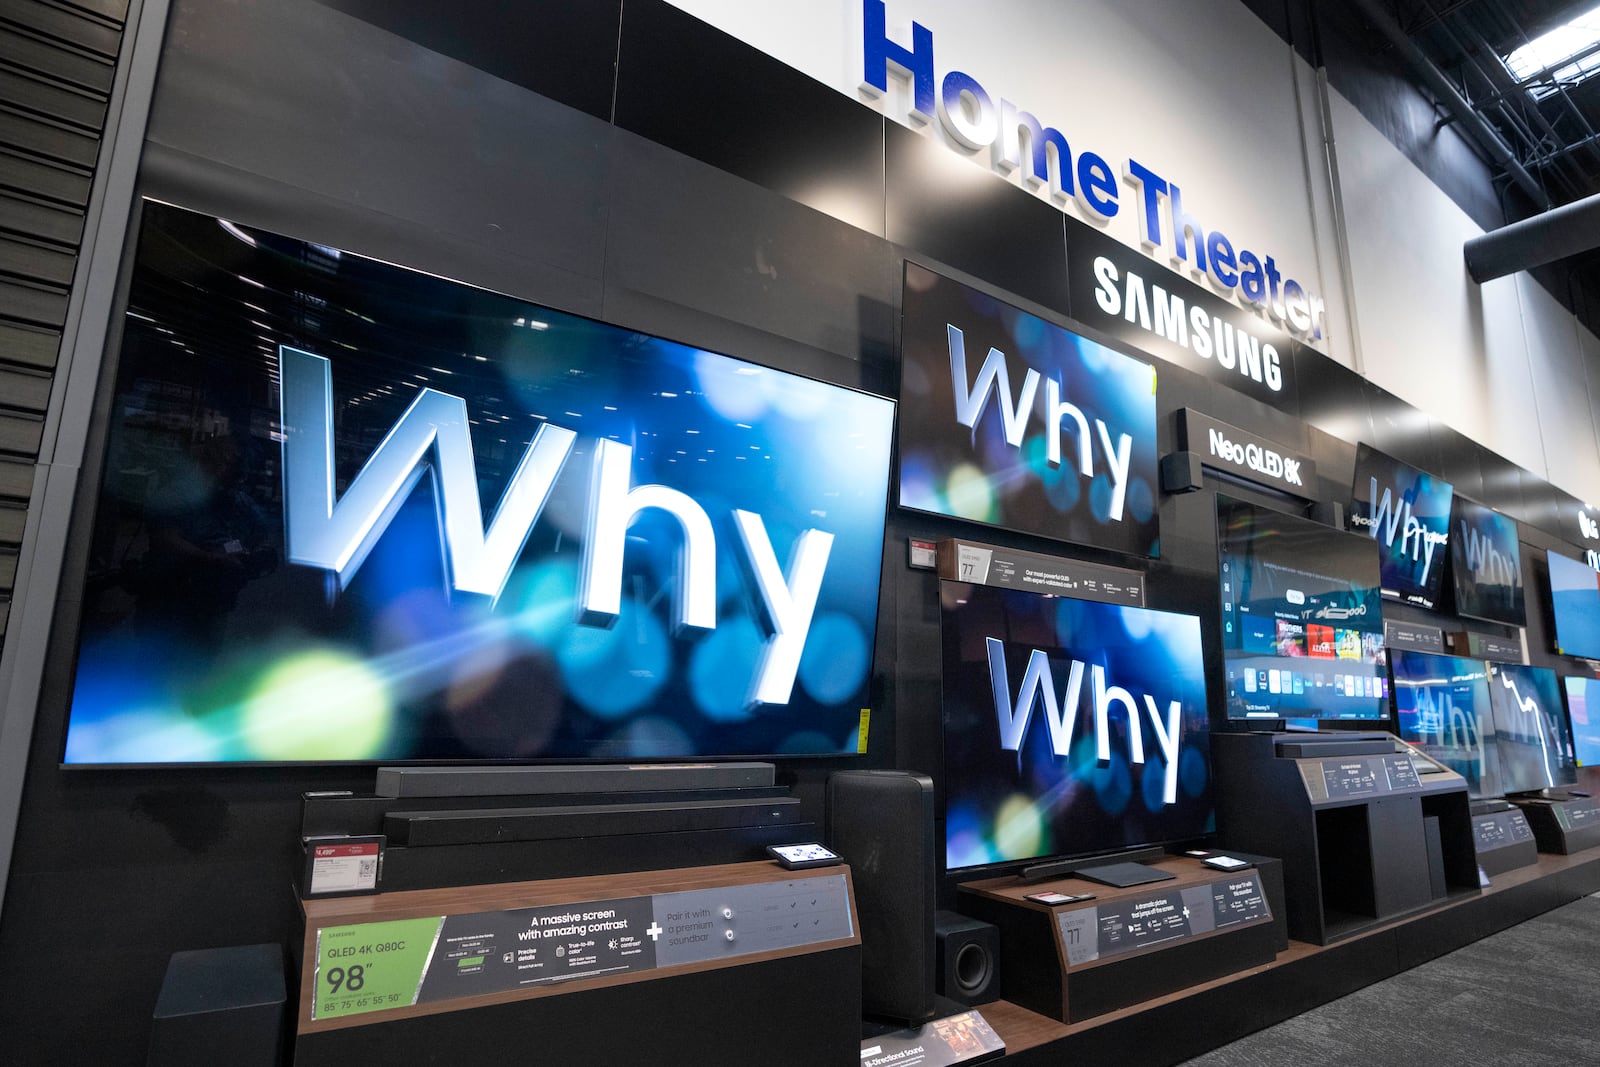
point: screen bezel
(68, 626)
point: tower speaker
(1180, 472)
(881, 823)
(968, 958)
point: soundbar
(480, 826)
(583, 778)
(1357, 745)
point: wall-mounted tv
(353, 512)
(1486, 564)
(1575, 603)
(1406, 511)
(1009, 420)
(1070, 727)
(1530, 728)
(1442, 703)
(1302, 621)
(1583, 714)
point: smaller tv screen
(1575, 602)
(1070, 727)
(1442, 703)
(1486, 564)
(1530, 727)
(1302, 623)
(1406, 511)
(1583, 713)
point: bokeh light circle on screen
(727, 392)
(1019, 828)
(969, 493)
(1193, 774)
(145, 735)
(719, 668)
(836, 659)
(317, 705)
(615, 671)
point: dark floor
(1528, 996)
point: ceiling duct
(1556, 234)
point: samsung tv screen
(1575, 603)
(1070, 727)
(1406, 512)
(1486, 564)
(1530, 727)
(1442, 706)
(354, 512)
(1009, 420)
(1583, 714)
(1302, 621)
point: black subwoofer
(967, 958)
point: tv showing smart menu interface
(1302, 623)
(1575, 603)
(1530, 727)
(1486, 564)
(351, 511)
(1442, 706)
(1070, 727)
(1406, 513)
(1009, 420)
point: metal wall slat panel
(28, 390)
(45, 222)
(110, 10)
(12, 520)
(64, 24)
(5, 614)
(44, 179)
(31, 93)
(8, 571)
(47, 139)
(52, 59)
(29, 345)
(16, 479)
(35, 261)
(33, 303)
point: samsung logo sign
(1017, 141)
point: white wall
(1206, 95)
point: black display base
(1563, 826)
(1504, 840)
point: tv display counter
(734, 963)
(1363, 835)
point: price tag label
(371, 966)
(972, 563)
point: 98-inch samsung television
(1071, 728)
(353, 512)
(1442, 706)
(1302, 620)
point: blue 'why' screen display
(350, 511)
(1070, 727)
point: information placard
(1012, 568)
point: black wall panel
(954, 211)
(566, 52)
(695, 89)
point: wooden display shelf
(1202, 1017)
(639, 889)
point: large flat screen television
(1406, 512)
(1575, 603)
(1302, 622)
(1442, 707)
(1486, 564)
(354, 512)
(1070, 727)
(1009, 420)
(1530, 728)
(1583, 713)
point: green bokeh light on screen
(319, 705)
(1018, 829)
(970, 494)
